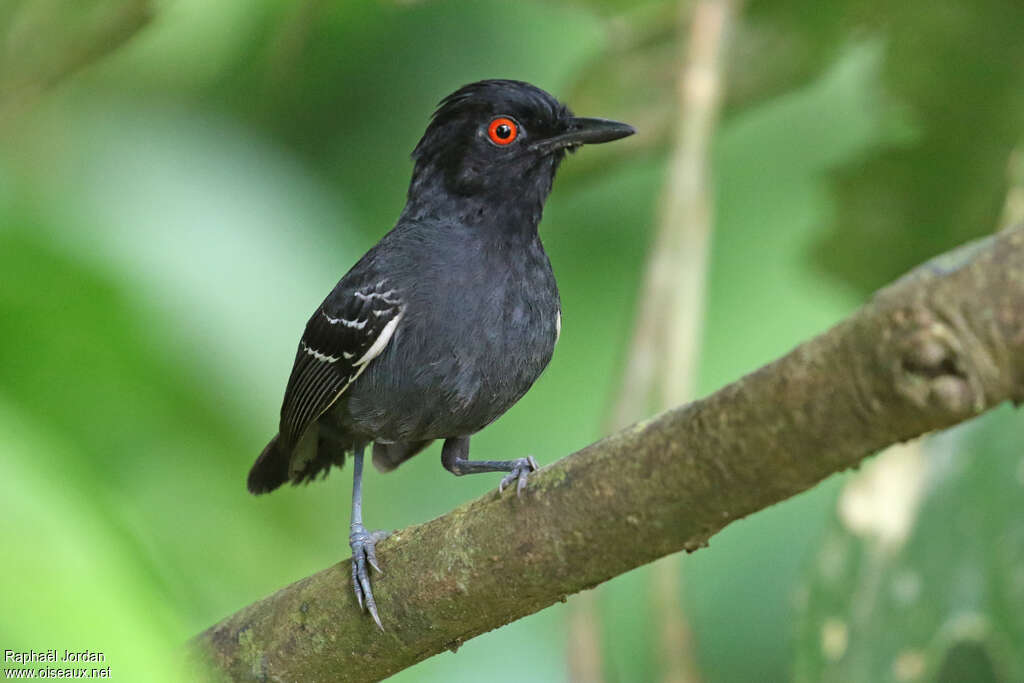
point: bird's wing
(349, 329)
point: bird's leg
(362, 543)
(454, 457)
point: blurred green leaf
(134, 335)
(955, 68)
(70, 578)
(928, 592)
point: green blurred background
(172, 208)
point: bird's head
(501, 141)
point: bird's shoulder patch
(348, 330)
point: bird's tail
(270, 469)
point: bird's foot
(521, 467)
(363, 546)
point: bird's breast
(509, 324)
(476, 335)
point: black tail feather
(270, 469)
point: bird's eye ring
(502, 131)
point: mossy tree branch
(939, 346)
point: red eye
(502, 131)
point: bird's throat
(512, 209)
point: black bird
(445, 323)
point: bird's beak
(583, 131)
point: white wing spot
(357, 324)
(374, 295)
(322, 357)
(558, 326)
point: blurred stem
(1013, 206)
(65, 50)
(584, 646)
(939, 346)
(661, 369)
(673, 300)
(682, 260)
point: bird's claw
(520, 469)
(364, 552)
